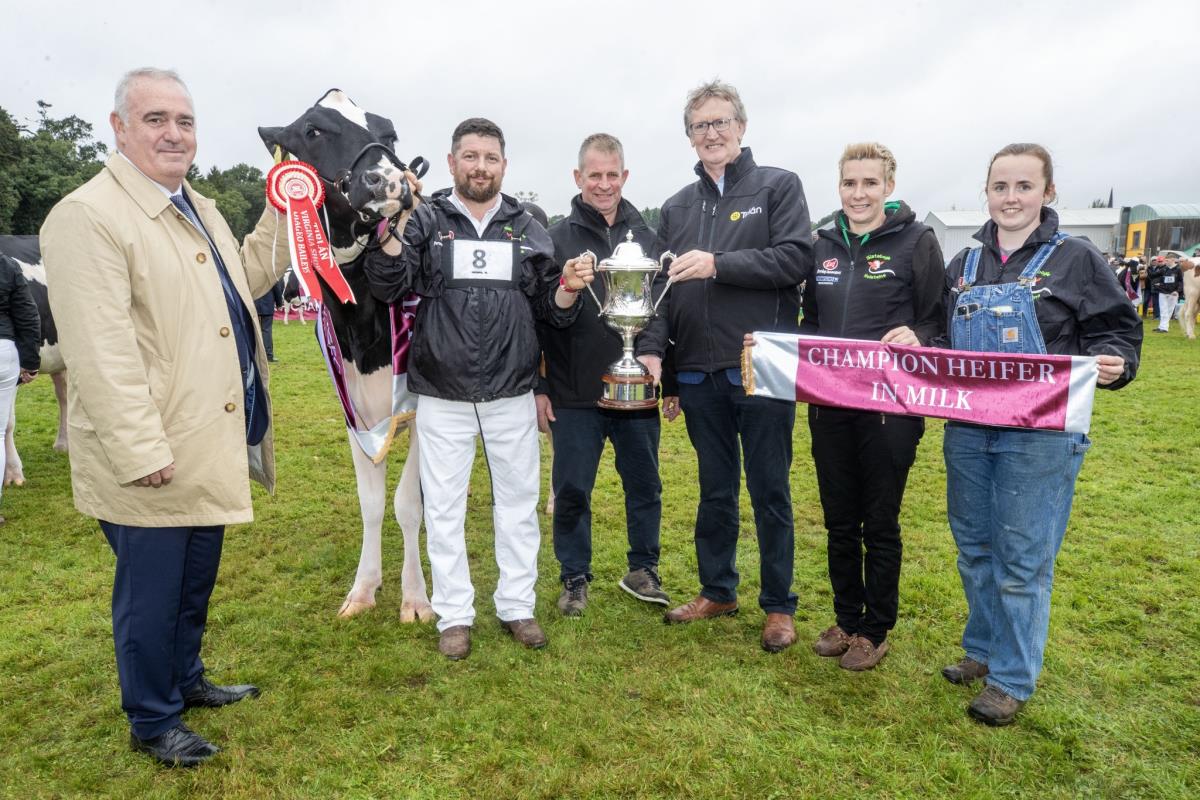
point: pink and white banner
(1007, 389)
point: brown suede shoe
(832, 642)
(994, 706)
(966, 671)
(700, 608)
(779, 632)
(862, 655)
(455, 643)
(526, 631)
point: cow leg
(372, 497)
(60, 394)
(14, 473)
(1189, 315)
(408, 506)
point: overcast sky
(944, 84)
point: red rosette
(295, 180)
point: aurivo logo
(736, 215)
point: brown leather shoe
(862, 655)
(455, 643)
(700, 608)
(779, 633)
(832, 642)
(964, 672)
(994, 707)
(526, 631)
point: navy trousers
(731, 432)
(579, 435)
(163, 581)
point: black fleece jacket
(864, 286)
(1081, 309)
(759, 233)
(577, 355)
(19, 318)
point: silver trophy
(628, 276)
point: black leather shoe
(205, 694)
(177, 747)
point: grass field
(619, 705)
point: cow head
(352, 151)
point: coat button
(201, 258)
(224, 331)
(230, 407)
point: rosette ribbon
(295, 188)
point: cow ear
(273, 139)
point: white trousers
(1166, 309)
(447, 434)
(10, 371)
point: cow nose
(373, 179)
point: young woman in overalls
(1027, 289)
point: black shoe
(178, 747)
(205, 694)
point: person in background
(265, 308)
(1166, 282)
(1028, 288)
(20, 336)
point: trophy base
(628, 393)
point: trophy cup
(628, 275)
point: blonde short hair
(861, 151)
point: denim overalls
(1008, 491)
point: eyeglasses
(701, 128)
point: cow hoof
(414, 612)
(14, 478)
(60, 447)
(352, 608)
(550, 506)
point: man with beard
(484, 269)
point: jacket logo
(736, 215)
(875, 268)
(830, 263)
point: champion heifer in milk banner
(27, 253)
(364, 341)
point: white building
(955, 229)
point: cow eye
(312, 133)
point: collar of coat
(146, 194)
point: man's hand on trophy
(579, 272)
(654, 365)
(693, 265)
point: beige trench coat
(153, 375)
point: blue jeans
(1008, 498)
(718, 414)
(579, 435)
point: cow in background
(27, 253)
(334, 136)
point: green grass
(618, 705)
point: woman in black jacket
(20, 333)
(878, 275)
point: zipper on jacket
(712, 227)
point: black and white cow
(26, 251)
(333, 136)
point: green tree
(38, 168)
(239, 192)
(653, 217)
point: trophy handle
(661, 259)
(595, 264)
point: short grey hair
(602, 143)
(121, 96)
(715, 88)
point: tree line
(42, 162)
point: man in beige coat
(166, 398)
